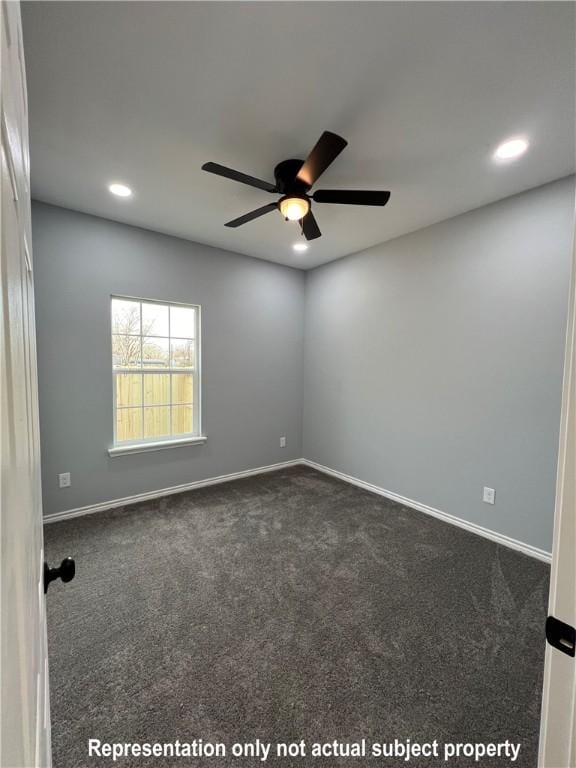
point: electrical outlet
(489, 495)
(64, 480)
(282, 442)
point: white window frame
(170, 441)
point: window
(155, 361)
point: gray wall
(252, 317)
(433, 362)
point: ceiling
(144, 93)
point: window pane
(125, 316)
(182, 419)
(154, 352)
(157, 389)
(126, 351)
(157, 422)
(182, 353)
(182, 388)
(183, 322)
(128, 424)
(154, 319)
(128, 389)
(153, 404)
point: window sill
(160, 445)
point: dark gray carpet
(290, 606)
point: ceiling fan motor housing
(286, 182)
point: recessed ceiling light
(120, 190)
(300, 247)
(511, 148)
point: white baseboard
(499, 538)
(114, 503)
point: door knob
(65, 571)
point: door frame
(558, 715)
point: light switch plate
(489, 495)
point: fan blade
(243, 178)
(252, 215)
(310, 227)
(351, 197)
(325, 152)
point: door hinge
(561, 636)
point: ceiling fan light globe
(294, 208)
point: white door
(25, 721)
(558, 727)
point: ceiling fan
(294, 179)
